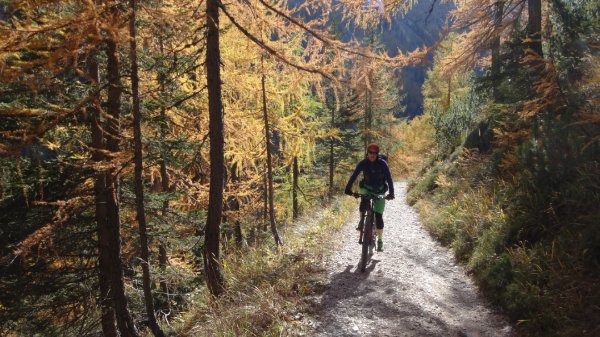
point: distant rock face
(419, 27)
(3, 11)
(376, 5)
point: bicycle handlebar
(369, 196)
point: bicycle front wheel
(366, 241)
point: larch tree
(75, 52)
(247, 17)
(212, 233)
(138, 179)
(534, 26)
(480, 26)
(113, 136)
(69, 55)
(97, 144)
(51, 37)
(268, 150)
(334, 109)
(495, 46)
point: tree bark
(269, 159)
(369, 101)
(124, 320)
(295, 173)
(449, 92)
(496, 49)
(163, 259)
(107, 319)
(40, 178)
(233, 204)
(138, 182)
(265, 199)
(368, 113)
(212, 268)
(164, 178)
(534, 26)
(366, 139)
(331, 157)
(239, 237)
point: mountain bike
(367, 231)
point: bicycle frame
(367, 232)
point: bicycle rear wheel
(366, 240)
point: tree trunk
(295, 173)
(496, 49)
(368, 111)
(40, 178)
(234, 205)
(138, 183)
(239, 237)
(124, 320)
(212, 268)
(265, 199)
(269, 162)
(163, 259)
(534, 26)
(369, 99)
(366, 121)
(107, 319)
(331, 158)
(164, 178)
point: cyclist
(376, 180)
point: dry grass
(545, 286)
(267, 289)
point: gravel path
(414, 288)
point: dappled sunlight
(414, 288)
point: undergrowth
(534, 255)
(266, 288)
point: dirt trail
(414, 288)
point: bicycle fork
(366, 217)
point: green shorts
(378, 204)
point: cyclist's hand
(389, 197)
(348, 191)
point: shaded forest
(155, 157)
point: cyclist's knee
(364, 205)
(379, 220)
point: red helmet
(373, 148)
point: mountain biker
(376, 180)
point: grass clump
(267, 289)
(532, 247)
(419, 187)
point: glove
(390, 197)
(348, 191)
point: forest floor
(414, 288)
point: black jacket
(376, 175)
